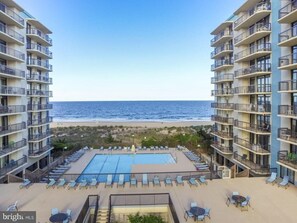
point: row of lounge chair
(191, 156)
(75, 156)
(72, 184)
(198, 163)
(152, 148)
(201, 180)
(118, 148)
(273, 179)
(57, 172)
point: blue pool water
(101, 165)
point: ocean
(165, 111)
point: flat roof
(221, 27)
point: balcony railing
(288, 34)
(288, 110)
(41, 63)
(258, 148)
(226, 91)
(40, 121)
(6, 129)
(252, 50)
(12, 165)
(36, 107)
(252, 89)
(220, 63)
(222, 148)
(253, 107)
(221, 35)
(227, 135)
(39, 48)
(39, 136)
(221, 119)
(40, 34)
(11, 71)
(219, 49)
(262, 128)
(40, 151)
(12, 14)
(288, 60)
(12, 90)
(287, 134)
(290, 85)
(39, 77)
(12, 52)
(10, 109)
(288, 159)
(287, 9)
(259, 27)
(222, 77)
(258, 8)
(13, 146)
(253, 69)
(223, 105)
(35, 92)
(257, 168)
(12, 33)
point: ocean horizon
(132, 111)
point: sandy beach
(132, 124)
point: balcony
(223, 92)
(39, 93)
(35, 77)
(12, 165)
(222, 64)
(221, 51)
(11, 54)
(263, 129)
(222, 120)
(9, 35)
(39, 152)
(13, 146)
(254, 167)
(288, 38)
(12, 109)
(289, 111)
(253, 52)
(223, 135)
(223, 106)
(39, 107)
(39, 64)
(38, 122)
(287, 135)
(288, 13)
(228, 77)
(221, 38)
(253, 108)
(39, 36)
(254, 33)
(255, 14)
(289, 86)
(11, 72)
(226, 150)
(288, 62)
(9, 129)
(39, 136)
(5, 90)
(287, 159)
(39, 50)
(253, 89)
(9, 17)
(255, 148)
(253, 71)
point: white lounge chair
(93, 183)
(72, 185)
(133, 182)
(144, 180)
(83, 184)
(272, 178)
(13, 207)
(108, 181)
(26, 183)
(285, 182)
(121, 181)
(51, 183)
(179, 180)
(61, 183)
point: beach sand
(132, 124)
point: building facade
(254, 67)
(24, 75)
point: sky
(112, 50)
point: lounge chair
(26, 183)
(133, 182)
(13, 207)
(207, 212)
(156, 181)
(202, 180)
(108, 181)
(285, 182)
(61, 183)
(271, 179)
(193, 182)
(54, 211)
(121, 181)
(179, 180)
(72, 184)
(83, 184)
(93, 183)
(144, 180)
(51, 183)
(168, 181)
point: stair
(102, 216)
(244, 173)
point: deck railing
(253, 69)
(253, 107)
(12, 14)
(13, 164)
(288, 60)
(251, 146)
(222, 105)
(262, 128)
(289, 159)
(259, 27)
(40, 34)
(287, 9)
(254, 49)
(91, 202)
(221, 35)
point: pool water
(101, 165)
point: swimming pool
(116, 164)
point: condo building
(24, 74)
(255, 90)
